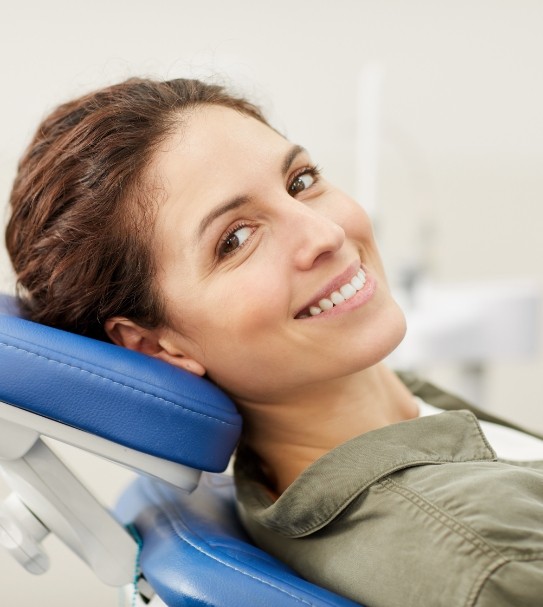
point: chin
(384, 342)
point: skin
(302, 385)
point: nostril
(322, 256)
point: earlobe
(125, 332)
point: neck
(291, 434)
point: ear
(159, 342)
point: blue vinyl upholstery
(127, 397)
(196, 554)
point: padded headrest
(132, 399)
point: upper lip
(337, 282)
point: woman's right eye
(234, 240)
(303, 180)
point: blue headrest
(129, 398)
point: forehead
(213, 153)
(215, 134)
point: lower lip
(356, 301)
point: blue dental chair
(176, 522)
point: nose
(314, 236)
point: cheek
(243, 343)
(241, 312)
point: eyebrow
(294, 151)
(240, 201)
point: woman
(171, 219)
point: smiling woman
(170, 218)
(236, 196)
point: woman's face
(249, 239)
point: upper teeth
(335, 298)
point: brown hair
(82, 214)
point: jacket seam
(458, 528)
(329, 515)
(501, 559)
(443, 517)
(481, 580)
(490, 571)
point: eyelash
(313, 170)
(228, 235)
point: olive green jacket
(419, 513)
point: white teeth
(357, 283)
(338, 297)
(348, 291)
(326, 304)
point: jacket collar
(354, 466)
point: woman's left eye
(234, 240)
(302, 182)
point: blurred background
(429, 111)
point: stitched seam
(486, 575)
(333, 512)
(454, 525)
(480, 432)
(179, 513)
(246, 573)
(227, 548)
(502, 557)
(118, 383)
(458, 528)
(481, 580)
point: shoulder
(466, 530)
(424, 500)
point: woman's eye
(301, 183)
(235, 239)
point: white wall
(462, 128)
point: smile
(337, 297)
